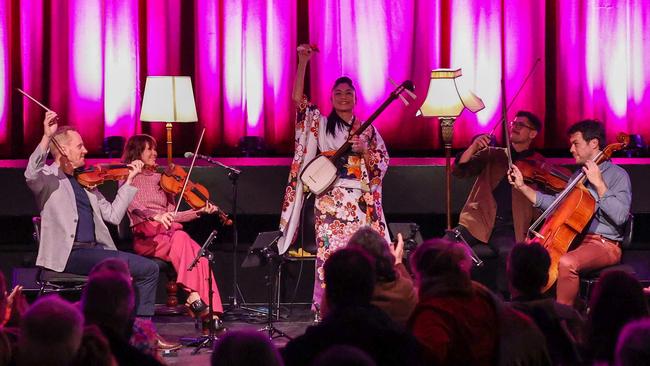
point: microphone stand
(206, 341)
(233, 175)
(230, 169)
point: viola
(98, 174)
(545, 175)
(195, 194)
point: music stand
(264, 252)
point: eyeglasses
(518, 125)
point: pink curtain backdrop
(88, 59)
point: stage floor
(293, 322)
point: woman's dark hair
(135, 146)
(349, 278)
(374, 244)
(590, 129)
(334, 121)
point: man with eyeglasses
(494, 213)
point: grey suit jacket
(56, 201)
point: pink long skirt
(175, 246)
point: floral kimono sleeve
(306, 145)
(377, 160)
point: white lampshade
(168, 99)
(446, 97)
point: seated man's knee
(567, 263)
(144, 268)
(152, 268)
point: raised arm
(34, 171)
(472, 161)
(305, 52)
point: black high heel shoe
(198, 308)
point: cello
(569, 214)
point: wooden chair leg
(172, 293)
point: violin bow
(56, 143)
(504, 110)
(189, 172)
(530, 73)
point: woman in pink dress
(158, 233)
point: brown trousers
(594, 252)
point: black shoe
(216, 323)
(198, 308)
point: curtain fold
(88, 60)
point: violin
(545, 175)
(100, 173)
(196, 195)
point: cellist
(610, 186)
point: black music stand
(264, 252)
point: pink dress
(151, 239)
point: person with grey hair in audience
(394, 292)
(460, 322)
(50, 333)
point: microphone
(189, 154)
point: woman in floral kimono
(354, 200)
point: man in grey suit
(74, 236)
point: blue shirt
(612, 209)
(85, 224)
